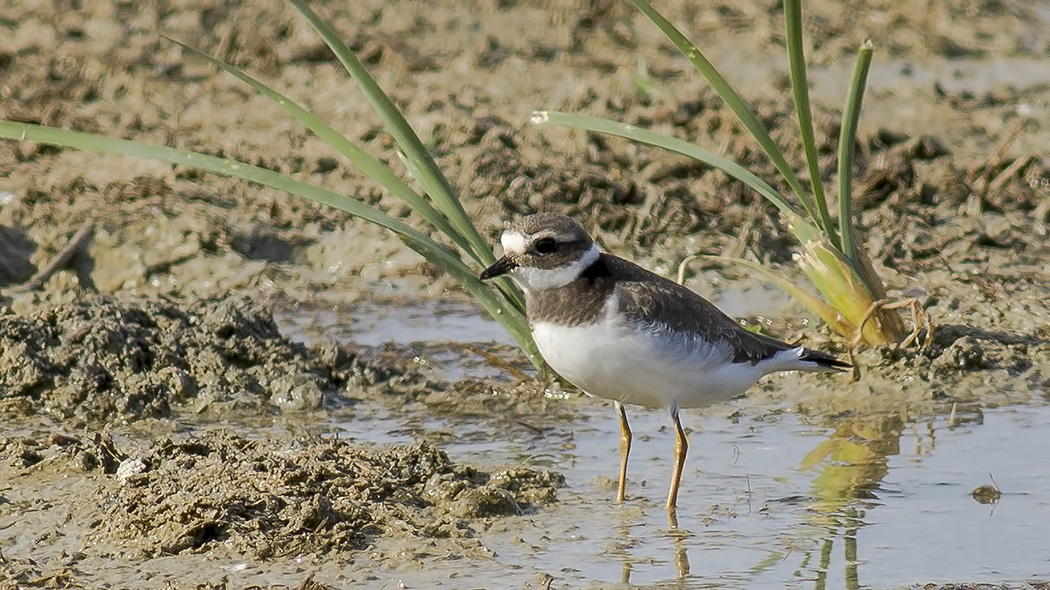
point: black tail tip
(824, 359)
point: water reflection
(844, 471)
(847, 525)
(853, 460)
(681, 553)
(851, 463)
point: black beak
(500, 267)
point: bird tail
(815, 360)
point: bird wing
(648, 298)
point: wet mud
(276, 498)
(140, 364)
(100, 360)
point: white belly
(655, 369)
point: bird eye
(545, 246)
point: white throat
(533, 279)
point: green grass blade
(800, 90)
(510, 318)
(811, 300)
(847, 139)
(733, 100)
(430, 176)
(371, 166)
(109, 145)
(505, 286)
(673, 144)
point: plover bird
(620, 332)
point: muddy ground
(134, 371)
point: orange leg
(625, 450)
(681, 447)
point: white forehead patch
(513, 242)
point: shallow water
(380, 320)
(768, 500)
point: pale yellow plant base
(919, 316)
